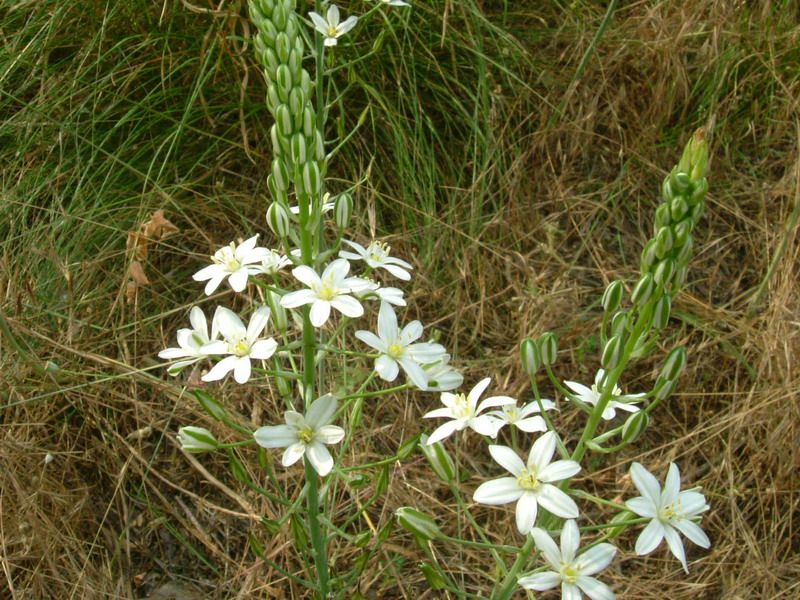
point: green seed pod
(282, 46)
(634, 426)
(664, 271)
(283, 79)
(343, 210)
(612, 297)
(439, 459)
(674, 363)
(422, 526)
(298, 533)
(407, 449)
(619, 323)
(529, 354)
(662, 218)
(210, 405)
(278, 220)
(280, 173)
(643, 290)
(298, 146)
(284, 387)
(311, 177)
(612, 353)
(664, 241)
(548, 348)
(678, 207)
(661, 312)
(283, 119)
(648, 256)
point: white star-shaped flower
(398, 350)
(441, 376)
(332, 289)
(671, 511)
(191, 342)
(592, 395)
(330, 26)
(272, 262)
(531, 484)
(525, 418)
(376, 255)
(571, 571)
(372, 290)
(235, 263)
(241, 343)
(465, 412)
(305, 435)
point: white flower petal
(263, 349)
(557, 502)
(693, 532)
(321, 411)
(596, 559)
(386, 367)
(222, 368)
(542, 451)
(475, 393)
(293, 453)
(275, 436)
(320, 312)
(561, 469)
(570, 591)
(642, 507)
(497, 491)
(508, 459)
(596, 590)
(241, 373)
(551, 552)
(238, 280)
(647, 485)
(540, 581)
(330, 434)
(527, 509)
(675, 545)
(650, 538)
(415, 373)
(348, 306)
(445, 431)
(570, 540)
(319, 457)
(672, 485)
(372, 340)
(257, 323)
(387, 323)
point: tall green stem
(317, 538)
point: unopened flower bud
(548, 348)
(648, 256)
(439, 459)
(674, 363)
(664, 387)
(612, 353)
(678, 207)
(635, 425)
(278, 220)
(643, 290)
(661, 312)
(421, 526)
(665, 269)
(211, 406)
(283, 119)
(619, 322)
(280, 173)
(664, 241)
(196, 439)
(343, 210)
(612, 297)
(662, 218)
(529, 354)
(311, 177)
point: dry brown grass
(120, 510)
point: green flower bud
(643, 290)
(698, 150)
(280, 174)
(196, 439)
(210, 405)
(311, 177)
(661, 312)
(280, 318)
(697, 212)
(309, 121)
(664, 241)
(296, 101)
(619, 323)
(548, 348)
(279, 16)
(258, 12)
(529, 354)
(343, 210)
(422, 526)
(612, 297)
(298, 146)
(674, 363)
(295, 63)
(678, 207)
(685, 251)
(612, 353)
(663, 217)
(273, 101)
(268, 32)
(237, 467)
(305, 84)
(682, 230)
(439, 459)
(648, 256)
(666, 189)
(680, 277)
(282, 47)
(319, 147)
(278, 220)
(362, 539)
(432, 576)
(621, 517)
(699, 192)
(283, 119)
(283, 79)
(664, 271)
(634, 426)
(679, 180)
(665, 389)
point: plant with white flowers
(316, 300)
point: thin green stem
(317, 537)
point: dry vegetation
(119, 511)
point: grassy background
(514, 152)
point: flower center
(327, 291)
(239, 345)
(332, 32)
(227, 257)
(569, 573)
(378, 251)
(396, 350)
(461, 409)
(672, 511)
(306, 434)
(527, 480)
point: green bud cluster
(297, 144)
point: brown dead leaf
(137, 272)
